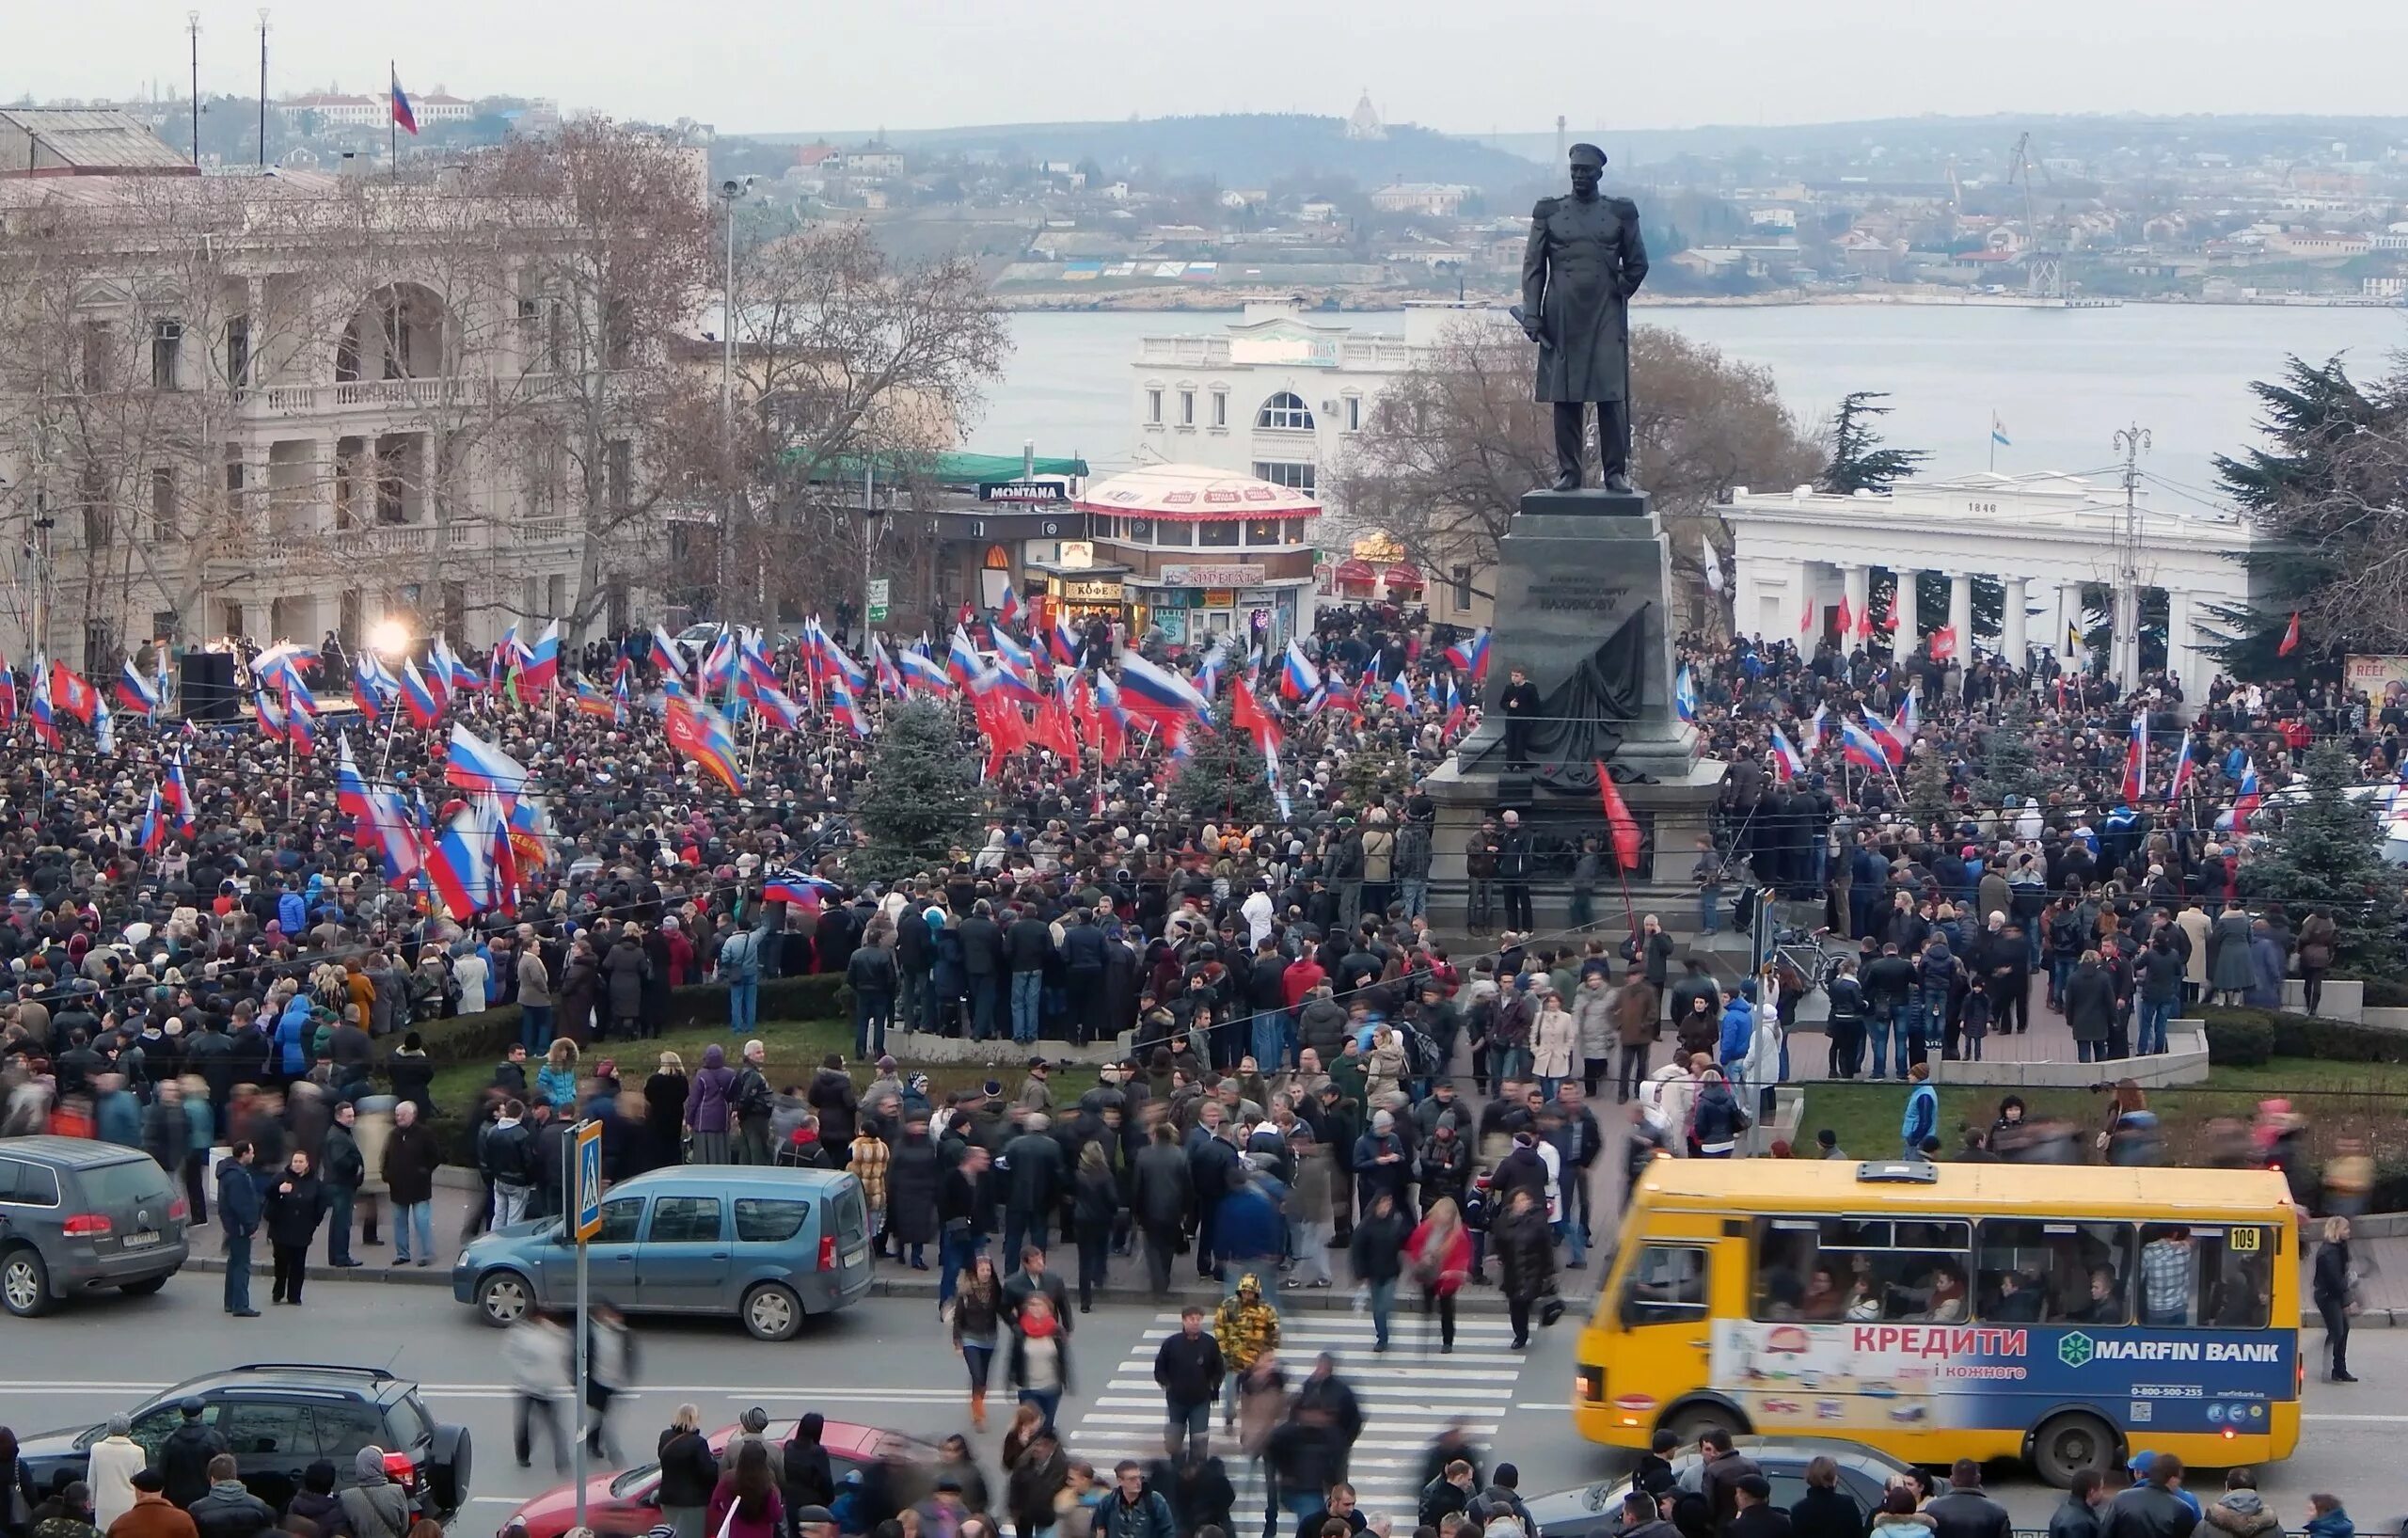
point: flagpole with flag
(1998, 439)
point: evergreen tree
(1224, 780)
(1927, 787)
(2328, 853)
(920, 797)
(2299, 491)
(1859, 462)
(2010, 765)
(1375, 771)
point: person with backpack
(750, 1102)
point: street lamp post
(729, 192)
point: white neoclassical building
(2056, 545)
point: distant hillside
(1975, 140)
(1250, 150)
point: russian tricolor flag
(371, 685)
(1861, 748)
(842, 707)
(2136, 760)
(542, 668)
(1010, 653)
(961, 661)
(1454, 706)
(419, 698)
(465, 868)
(351, 791)
(178, 795)
(2182, 766)
(1788, 763)
(889, 677)
(1061, 642)
(925, 672)
(702, 735)
(456, 674)
(1684, 694)
(135, 692)
(666, 656)
(272, 724)
(1895, 742)
(2245, 804)
(476, 765)
(1299, 677)
(778, 707)
(1158, 694)
(1471, 656)
(45, 719)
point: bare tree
(851, 370)
(616, 238)
(1454, 442)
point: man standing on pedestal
(1584, 261)
(1520, 705)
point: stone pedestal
(1574, 568)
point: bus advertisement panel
(1849, 1378)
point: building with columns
(2049, 548)
(293, 404)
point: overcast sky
(765, 65)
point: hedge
(2246, 1037)
(2385, 994)
(468, 1038)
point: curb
(1332, 1299)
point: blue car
(768, 1245)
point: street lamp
(388, 638)
(729, 190)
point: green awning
(950, 470)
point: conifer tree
(921, 795)
(2327, 853)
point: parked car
(80, 1216)
(622, 1505)
(1594, 1511)
(279, 1417)
(768, 1245)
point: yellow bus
(2069, 1316)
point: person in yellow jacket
(1246, 1328)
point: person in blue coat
(1922, 1117)
(1738, 1025)
(293, 1031)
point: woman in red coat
(1439, 1254)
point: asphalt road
(886, 1361)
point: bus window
(1863, 1269)
(2169, 1274)
(2236, 1275)
(2038, 1271)
(1667, 1284)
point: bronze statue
(1584, 261)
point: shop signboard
(1182, 574)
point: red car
(626, 1505)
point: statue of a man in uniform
(1584, 261)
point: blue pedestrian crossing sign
(589, 1179)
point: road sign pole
(585, 1181)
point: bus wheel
(1690, 1420)
(2067, 1444)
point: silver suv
(79, 1216)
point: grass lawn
(2361, 1100)
(795, 1051)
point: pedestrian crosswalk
(1409, 1395)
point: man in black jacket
(873, 973)
(982, 954)
(1028, 944)
(961, 1216)
(185, 1457)
(240, 1207)
(1084, 955)
(1964, 1510)
(1188, 1368)
(1035, 1177)
(1163, 1189)
(915, 958)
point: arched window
(1285, 410)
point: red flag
(1864, 621)
(1847, 619)
(1806, 619)
(2290, 637)
(1944, 642)
(1618, 818)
